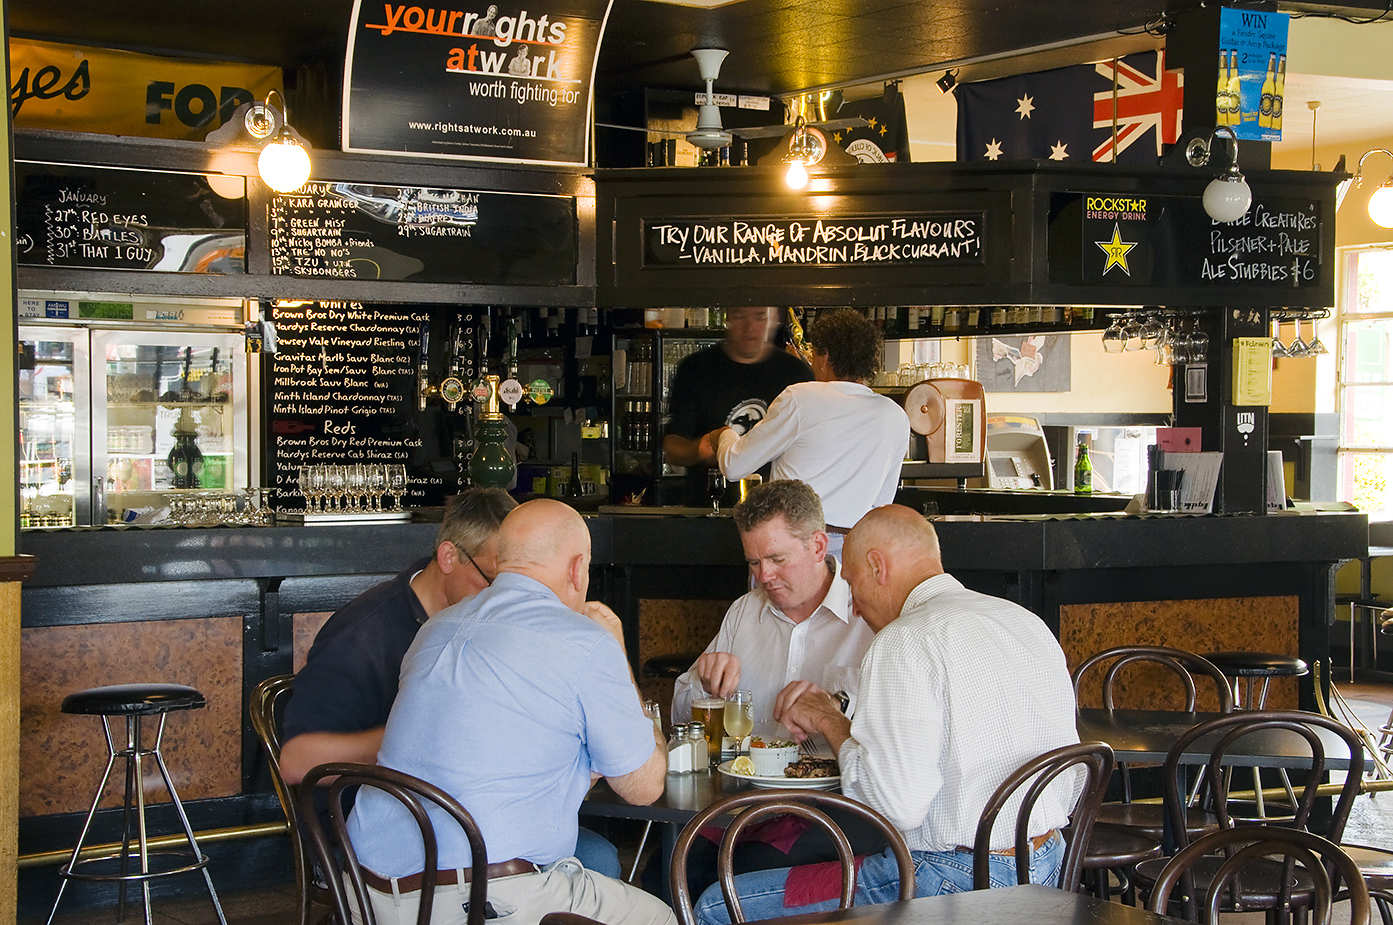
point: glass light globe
(797, 176)
(1226, 198)
(284, 164)
(1381, 206)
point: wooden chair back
(410, 792)
(1184, 665)
(1322, 860)
(755, 805)
(1096, 759)
(267, 700)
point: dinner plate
(793, 783)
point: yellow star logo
(872, 122)
(1116, 249)
(837, 137)
(883, 130)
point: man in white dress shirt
(836, 434)
(797, 625)
(957, 691)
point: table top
(1147, 736)
(1038, 905)
(1135, 735)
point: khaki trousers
(523, 899)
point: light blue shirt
(508, 701)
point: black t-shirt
(351, 674)
(710, 390)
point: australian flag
(1123, 110)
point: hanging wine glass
(1152, 331)
(1131, 332)
(1279, 349)
(1198, 343)
(1298, 347)
(1315, 347)
(1114, 341)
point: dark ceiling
(777, 46)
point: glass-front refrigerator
(641, 412)
(117, 419)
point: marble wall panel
(62, 756)
(1259, 624)
(668, 627)
(307, 626)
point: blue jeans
(595, 853)
(935, 873)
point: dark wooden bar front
(224, 608)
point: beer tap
(452, 386)
(424, 390)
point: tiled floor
(1371, 823)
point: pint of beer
(748, 483)
(711, 711)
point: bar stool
(134, 702)
(1250, 667)
(669, 666)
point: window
(1366, 380)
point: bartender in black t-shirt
(730, 384)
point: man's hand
(606, 618)
(719, 672)
(708, 445)
(805, 708)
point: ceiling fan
(709, 133)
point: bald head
(547, 540)
(889, 551)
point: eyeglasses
(465, 553)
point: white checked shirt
(841, 438)
(956, 693)
(826, 649)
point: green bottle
(1083, 472)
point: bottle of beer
(1269, 90)
(1235, 90)
(1279, 93)
(1083, 472)
(1221, 95)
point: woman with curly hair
(834, 433)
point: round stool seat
(1258, 664)
(133, 700)
(1386, 621)
(669, 666)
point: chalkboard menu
(342, 389)
(356, 231)
(834, 241)
(1129, 240)
(118, 219)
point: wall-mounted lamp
(284, 163)
(1381, 202)
(947, 82)
(805, 149)
(1227, 197)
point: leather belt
(1036, 844)
(448, 877)
(841, 531)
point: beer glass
(711, 711)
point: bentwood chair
(1036, 776)
(412, 793)
(1263, 886)
(1236, 855)
(267, 700)
(756, 805)
(1128, 833)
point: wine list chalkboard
(357, 231)
(938, 238)
(343, 390)
(111, 218)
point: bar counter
(224, 608)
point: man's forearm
(310, 749)
(681, 451)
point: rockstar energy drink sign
(76, 89)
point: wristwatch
(843, 700)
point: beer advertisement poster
(505, 82)
(1252, 72)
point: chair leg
(188, 829)
(140, 821)
(132, 744)
(638, 855)
(86, 823)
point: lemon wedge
(742, 765)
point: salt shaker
(679, 751)
(696, 738)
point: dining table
(1038, 905)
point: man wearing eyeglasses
(345, 691)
